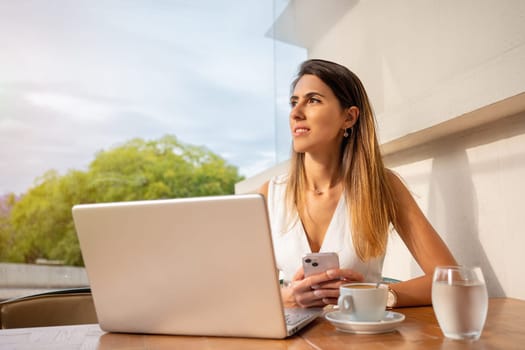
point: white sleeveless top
(291, 243)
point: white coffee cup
(364, 302)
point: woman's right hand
(317, 290)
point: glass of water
(460, 301)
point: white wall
(471, 187)
(447, 81)
(425, 62)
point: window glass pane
(81, 77)
(288, 56)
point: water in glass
(460, 300)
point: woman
(338, 196)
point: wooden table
(504, 329)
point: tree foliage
(40, 225)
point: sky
(77, 77)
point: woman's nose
(297, 113)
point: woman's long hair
(369, 198)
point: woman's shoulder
(277, 180)
(280, 179)
(400, 191)
(394, 180)
(273, 182)
(264, 189)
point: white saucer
(387, 324)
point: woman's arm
(264, 190)
(426, 246)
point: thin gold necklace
(317, 192)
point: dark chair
(55, 308)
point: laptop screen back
(194, 266)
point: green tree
(6, 234)
(40, 224)
(41, 220)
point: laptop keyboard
(296, 315)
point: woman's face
(317, 120)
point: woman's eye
(293, 103)
(314, 100)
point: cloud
(79, 77)
(80, 109)
(12, 126)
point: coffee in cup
(363, 302)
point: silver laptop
(195, 266)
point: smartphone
(315, 263)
